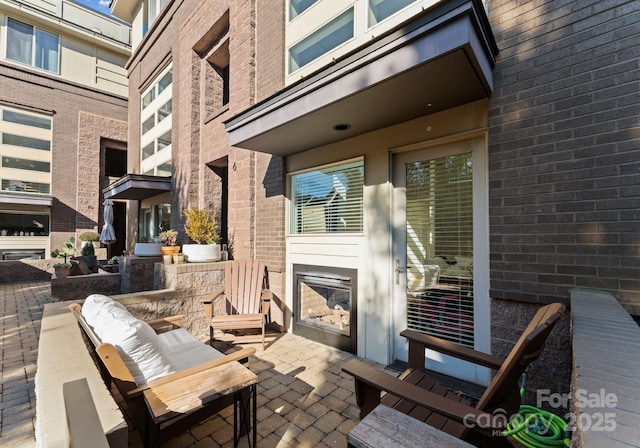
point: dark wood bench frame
(114, 370)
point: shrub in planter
(201, 227)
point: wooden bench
(175, 408)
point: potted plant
(202, 228)
(90, 237)
(63, 268)
(88, 256)
(169, 238)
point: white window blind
(440, 248)
(328, 200)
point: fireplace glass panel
(325, 307)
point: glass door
(441, 251)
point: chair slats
(415, 393)
(244, 287)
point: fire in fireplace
(325, 305)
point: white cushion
(96, 304)
(186, 351)
(134, 339)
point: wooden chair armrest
(173, 321)
(419, 341)
(266, 297)
(370, 382)
(114, 363)
(209, 298)
(235, 356)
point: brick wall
(22, 87)
(190, 34)
(269, 47)
(563, 150)
(553, 369)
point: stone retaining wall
(25, 270)
(78, 287)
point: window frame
(295, 225)
(39, 129)
(326, 29)
(150, 136)
(34, 46)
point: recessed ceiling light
(342, 127)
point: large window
(328, 200)
(439, 213)
(24, 224)
(155, 6)
(381, 9)
(297, 7)
(155, 154)
(32, 46)
(152, 221)
(25, 151)
(321, 41)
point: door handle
(399, 270)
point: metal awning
(440, 59)
(137, 187)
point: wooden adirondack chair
(417, 394)
(247, 299)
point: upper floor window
(328, 200)
(155, 6)
(155, 129)
(381, 9)
(32, 46)
(297, 7)
(321, 41)
(25, 151)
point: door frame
(476, 141)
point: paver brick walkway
(21, 307)
(304, 399)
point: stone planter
(147, 249)
(201, 253)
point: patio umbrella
(108, 234)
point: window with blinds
(439, 198)
(328, 200)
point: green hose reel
(536, 428)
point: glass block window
(155, 128)
(328, 200)
(32, 46)
(322, 41)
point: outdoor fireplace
(324, 300)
